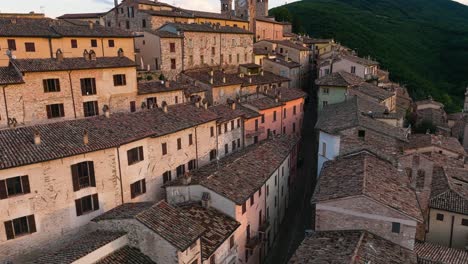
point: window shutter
(62, 112)
(143, 185)
(44, 84)
(132, 190)
(57, 85)
(49, 111)
(95, 202)
(3, 192)
(83, 86)
(93, 81)
(140, 150)
(92, 178)
(130, 157)
(25, 183)
(85, 109)
(9, 230)
(79, 210)
(115, 80)
(75, 180)
(96, 108)
(124, 80)
(32, 224)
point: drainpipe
(102, 47)
(196, 145)
(5, 100)
(451, 231)
(72, 95)
(120, 174)
(50, 48)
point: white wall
(332, 149)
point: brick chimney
(164, 107)
(86, 55)
(37, 137)
(92, 55)
(85, 137)
(59, 55)
(120, 53)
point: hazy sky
(54, 8)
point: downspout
(451, 231)
(196, 145)
(72, 95)
(281, 122)
(50, 48)
(102, 47)
(120, 174)
(5, 100)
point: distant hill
(423, 43)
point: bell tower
(226, 7)
(262, 8)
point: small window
(274, 116)
(226, 149)
(14, 186)
(225, 127)
(260, 192)
(212, 131)
(109, 24)
(55, 111)
(135, 155)
(294, 110)
(232, 125)
(353, 69)
(127, 24)
(20, 226)
(74, 43)
(325, 90)
(263, 119)
(180, 170)
(143, 23)
(83, 175)
(231, 241)
(172, 47)
(324, 149)
(244, 207)
(325, 103)
(167, 177)
(88, 86)
(173, 64)
(90, 108)
(11, 44)
(213, 154)
(464, 222)
(120, 80)
(395, 227)
(111, 43)
(190, 139)
(132, 106)
(361, 133)
(138, 188)
(440, 217)
(252, 200)
(94, 43)
(30, 47)
(179, 144)
(51, 85)
(87, 204)
(238, 143)
(213, 51)
(238, 123)
(267, 190)
(233, 143)
(164, 148)
(192, 165)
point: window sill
(136, 162)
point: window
(83, 175)
(325, 103)
(55, 111)
(238, 58)
(151, 102)
(294, 127)
(11, 44)
(232, 124)
(231, 241)
(233, 145)
(252, 200)
(179, 143)
(219, 130)
(324, 149)
(325, 90)
(256, 124)
(244, 207)
(172, 47)
(212, 131)
(440, 217)
(294, 110)
(395, 227)
(212, 259)
(138, 188)
(238, 143)
(74, 43)
(267, 190)
(130, 11)
(132, 106)
(90, 108)
(276, 180)
(238, 122)
(420, 178)
(464, 222)
(191, 60)
(167, 177)
(120, 80)
(230, 58)
(361, 133)
(202, 59)
(94, 43)
(20, 226)
(212, 154)
(173, 64)
(284, 113)
(260, 192)
(225, 127)
(180, 171)
(127, 24)
(87, 204)
(143, 23)
(176, 99)
(164, 148)
(192, 165)
(263, 119)
(213, 51)
(51, 85)
(109, 24)
(284, 130)
(274, 116)
(135, 155)
(88, 86)
(14, 186)
(226, 149)
(255, 139)
(111, 43)
(190, 139)
(30, 47)
(353, 69)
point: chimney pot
(37, 137)
(233, 105)
(120, 53)
(85, 137)
(86, 54)
(164, 106)
(211, 80)
(59, 55)
(187, 178)
(224, 79)
(91, 25)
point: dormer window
(361, 133)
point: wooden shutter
(49, 111)
(46, 88)
(92, 178)
(95, 202)
(140, 152)
(124, 80)
(62, 112)
(25, 183)
(9, 230)
(57, 85)
(115, 80)
(130, 158)
(3, 190)
(75, 179)
(143, 185)
(83, 86)
(79, 209)
(132, 190)
(96, 108)
(132, 106)
(32, 224)
(85, 109)
(93, 83)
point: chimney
(224, 79)
(211, 80)
(120, 53)
(233, 105)
(206, 200)
(59, 55)
(250, 80)
(85, 137)
(164, 106)
(211, 72)
(262, 73)
(92, 55)
(106, 110)
(197, 103)
(205, 105)
(37, 137)
(187, 178)
(86, 55)
(91, 25)
(167, 84)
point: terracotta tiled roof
(365, 174)
(371, 91)
(434, 254)
(362, 61)
(339, 79)
(9, 75)
(126, 255)
(271, 20)
(262, 102)
(75, 250)
(205, 28)
(355, 113)
(214, 15)
(451, 144)
(242, 173)
(124, 211)
(260, 51)
(81, 15)
(265, 78)
(450, 190)
(44, 65)
(226, 113)
(429, 101)
(160, 87)
(350, 247)
(248, 113)
(164, 34)
(64, 139)
(218, 225)
(171, 224)
(281, 61)
(47, 27)
(167, 13)
(290, 44)
(289, 94)
(204, 77)
(316, 41)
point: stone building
(285, 68)
(332, 88)
(377, 198)
(430, 111)
(40, 38)
(268, 28)
(364, 68)
(256, 198)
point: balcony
(253, 133)
(252, 243)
